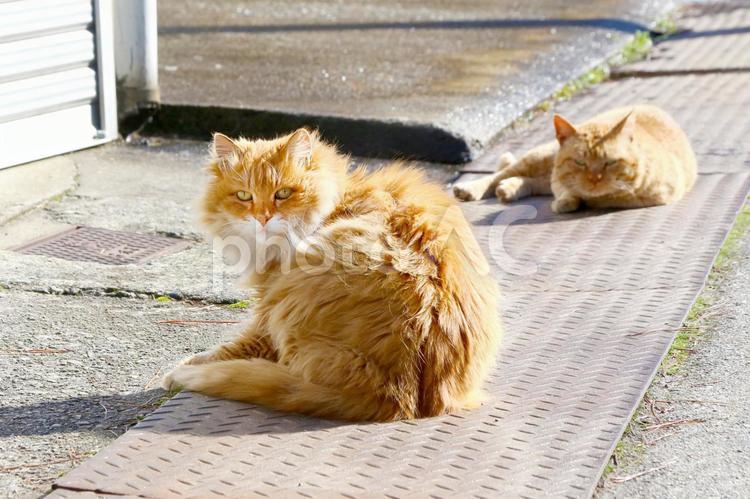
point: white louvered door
(56, 77)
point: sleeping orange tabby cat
(387, 311)
(624, 158)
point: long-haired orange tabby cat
(381, 308)
(625, 158)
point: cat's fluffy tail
(271, 384)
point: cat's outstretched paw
(565, 205)
(481, 188)
(508, 190)
(467, 191)
(182, 377)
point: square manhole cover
(113, 247)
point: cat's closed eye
(611, 162)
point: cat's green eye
(579, 162)
(610, 163)
(244, 196)
(283, 193)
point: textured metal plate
(580, 348)
(709, 107)
(591, 304)
(90, 244)
(77, 494)
(713, 38)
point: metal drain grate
(112, 247)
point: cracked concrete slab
(23, 188)
(121, 187)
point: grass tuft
(164, 398)
(636, 49)
(591, 78)
(665, 27)
(731, 243)
(690, 333)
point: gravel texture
(709, 454)
(78, 371)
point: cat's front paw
(565, 205)
(507, 190)
(182, 377)
(465, 191)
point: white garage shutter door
(56, 77)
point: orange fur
(625, 158)
(388, 312)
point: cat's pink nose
(263, 219)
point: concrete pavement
(24, 189)
(433, 80)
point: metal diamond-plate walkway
(592, 301)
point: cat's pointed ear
(299, 147)
(625, 127)
(563, 129)
(223, 147)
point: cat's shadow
(227, 417)
(185, 413)
(97, 413)
(527, 211)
